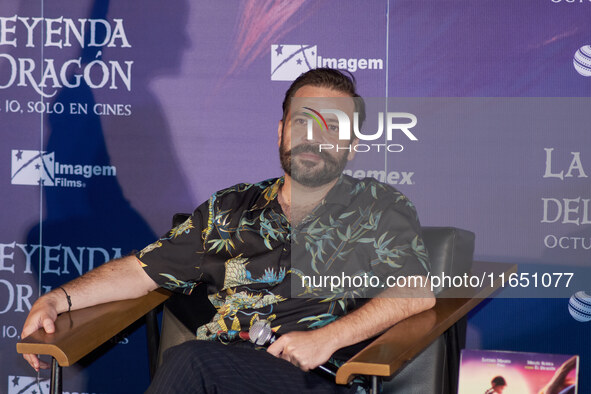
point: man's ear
(351, 154)
(279, 132)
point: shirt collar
(340, 193)
(268, 194)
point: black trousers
(212, 367)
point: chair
(431, 339)
(451, 251)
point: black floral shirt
(257, 266)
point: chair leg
(56, 377)
(374, 385)
(456, 341)
(153, 336)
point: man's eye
(333, 128)
(300, 121)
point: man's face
(499, 389)
(301, 158)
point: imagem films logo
(33, 167)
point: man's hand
(120, 279)
(309, 349)
(42, 315)
(304, 349)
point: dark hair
(326, 78)
(498, 381)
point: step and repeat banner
(114, 116)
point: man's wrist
(55, 299)
(330, 336)
(68, 299)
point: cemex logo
(340, 124)
(290, 61)
(33, 167)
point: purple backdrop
(150, 109)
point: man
(254, 246)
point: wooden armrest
(79, 332)
(405, 340)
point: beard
(311, 173)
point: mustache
(310, 148)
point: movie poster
(514, 372)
